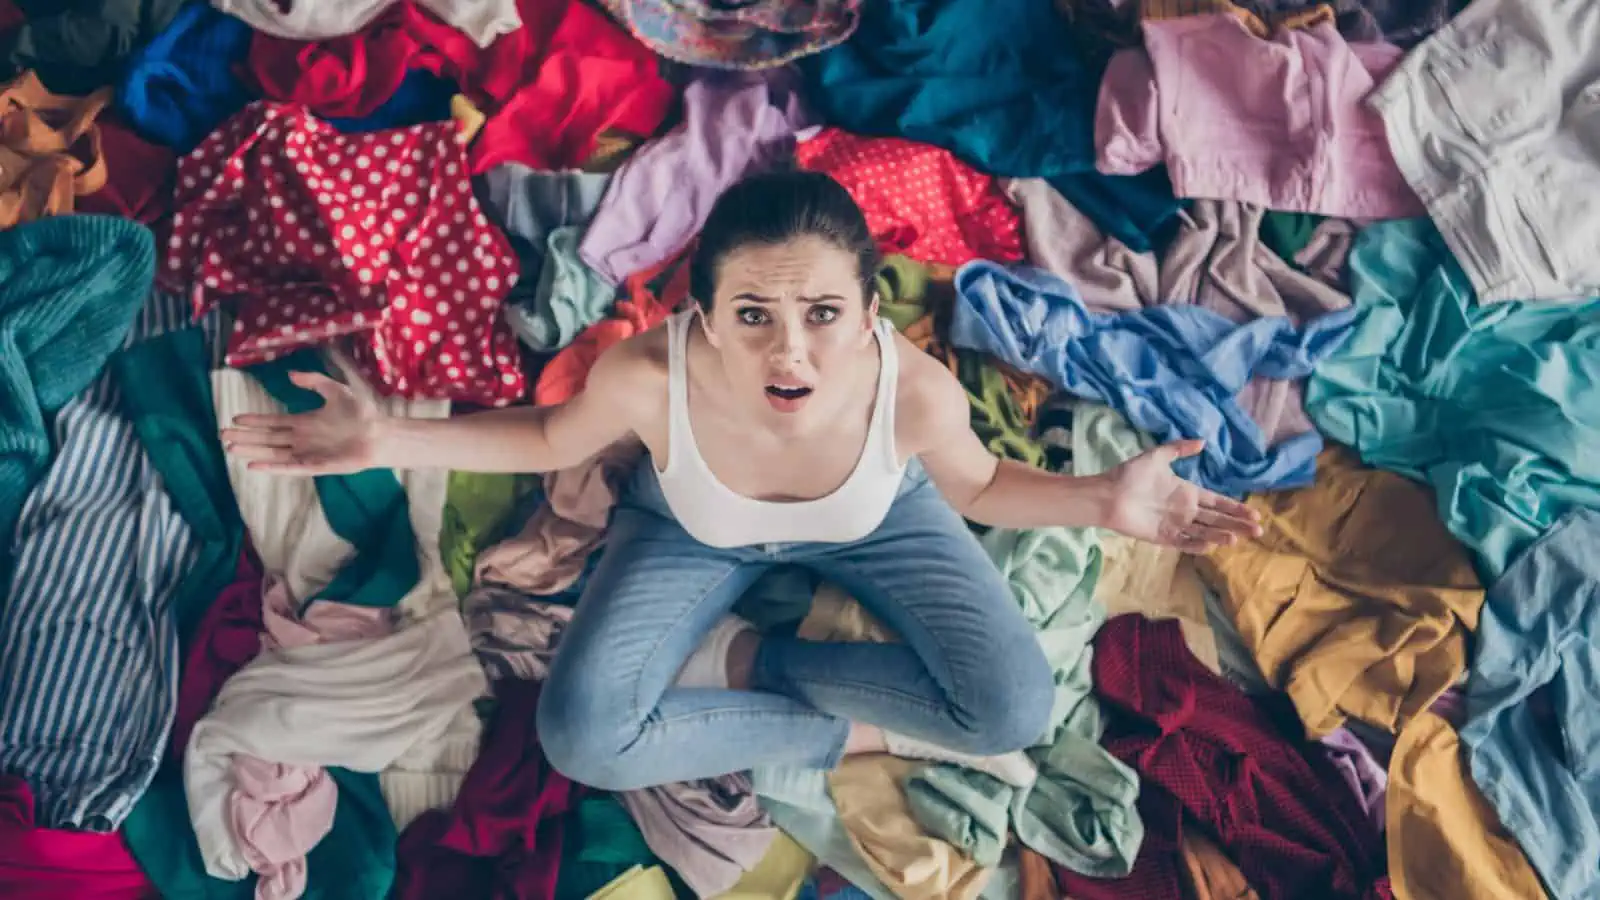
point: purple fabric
(1361, 771)
(734, 124)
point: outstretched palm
(1150, 502)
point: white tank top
(714, 515)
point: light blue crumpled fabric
(1496, 407)
(570, 296)
(1173, 371)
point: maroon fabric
(1209, 756)
(46, 864)
(228, 637)
(502, 838)
(139, 176)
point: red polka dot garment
(308, 235)
(919, 199)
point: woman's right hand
(339, 438)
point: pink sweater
(1278, 122)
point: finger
(262, 454)
(1230, 524)
(277, 468)
(1192, 545)
(1209, 533)
(324, 386)
(1177, 450)
(258, 437)
(263, 420)
(1228, 506)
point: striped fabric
(88, 651)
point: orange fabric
(49, 150)
(564, 376)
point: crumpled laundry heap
(1343, 242)
(308, 235)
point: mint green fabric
(70, 289)
(165, 384)
(478, 509)
(1497, 407)
(570, 296)
(355, 861)
(1080, 812)
(368, 509)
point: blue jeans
(969, 676)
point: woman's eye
(823, 314)
(752, 316)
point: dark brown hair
(775, 207)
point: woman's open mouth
(787, 398)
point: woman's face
(790, 324)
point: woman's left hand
(1151, 502)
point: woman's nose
(790, 344)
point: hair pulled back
(773, 208)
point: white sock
(707, 667)
(1014, 768)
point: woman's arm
(350, 432)
(1143, 497)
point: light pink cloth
(1277, 122)
(278, 812)
(548, 555)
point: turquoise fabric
(70, 288)
(570, 297)
(1496, 407)
(165, 384)
(368, 509)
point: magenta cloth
(1211, 757)
(228, 636)
(734, 123)
(1361, 771)
(1278, 122)
(47, 864)
(502, 838)
(277, 811)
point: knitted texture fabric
(71, 290)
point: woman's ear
(872, 311)
(704, 318)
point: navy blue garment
(1541, 629)
(1000, 85)
(420, 98)
(1174, 371)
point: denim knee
(580, 739)
(1006, 706)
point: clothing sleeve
(1127, 123)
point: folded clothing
(308, 234)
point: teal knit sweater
(70, 289)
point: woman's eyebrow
(757, 298)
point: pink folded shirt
(1277, 122)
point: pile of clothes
(1347, 243)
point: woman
(785, 423)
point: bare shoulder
(929, 400)
(631, 375)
